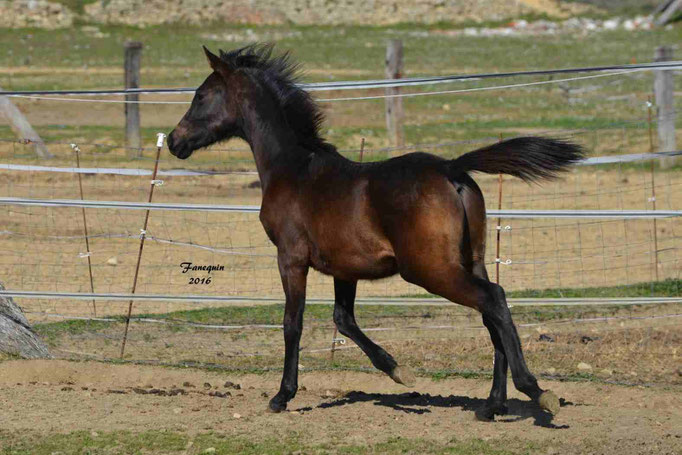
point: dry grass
(632, 345)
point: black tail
(528, 158)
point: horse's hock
(17, 338)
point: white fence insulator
(160, 138)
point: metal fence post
(652, 199)
(143, 235)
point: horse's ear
(216, 63)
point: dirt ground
(50, 397)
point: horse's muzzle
(178, 148)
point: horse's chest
(282, 223)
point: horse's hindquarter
(422, 214)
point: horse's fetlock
(528, 385)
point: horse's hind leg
(473, 252)
(344, 318)
(496, 314)
(489, 299)
(496, 402)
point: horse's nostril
(170, 141)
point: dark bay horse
(418, 215)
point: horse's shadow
(417, 403)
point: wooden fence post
(132, 53)
(394, 106)
(667, 10)
(18, 123)
(664, 92)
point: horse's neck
(272, 142)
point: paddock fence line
(592, 161)
(251, 250)
(511, 214)
(361, 98)
(592, 230)
(372, 84)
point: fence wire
(610, 288)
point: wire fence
(373, 84)
(587, 256)
(583, 232)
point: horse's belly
(353, 263)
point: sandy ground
(58, 397)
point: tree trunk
(16, 335)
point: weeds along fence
(595, 254)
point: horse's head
(213, 115)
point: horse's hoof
(549, 402)
(276, 407)
(487, 413)
(403, 375)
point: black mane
(281, 75)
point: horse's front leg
(294, 282)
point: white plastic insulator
(160, 137)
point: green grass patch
(670, 287)
(323, 314)
(273, 314)
(666, 288)
(172, 57)
(336, 48)
(51, 331)
(169, 442)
